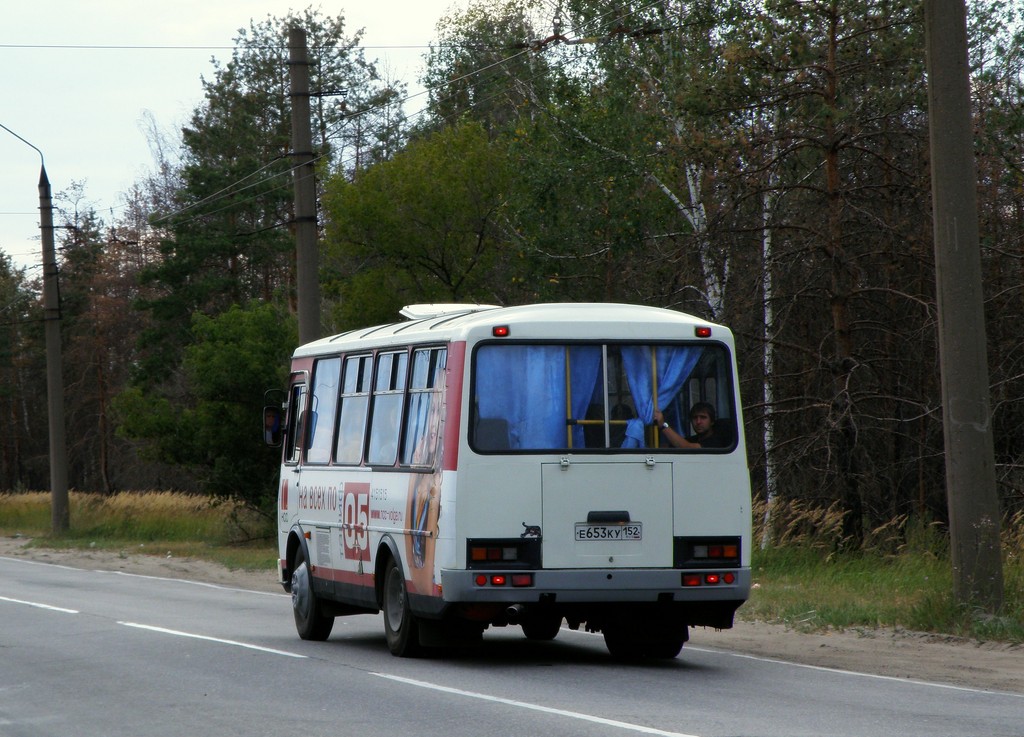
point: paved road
(103, 654)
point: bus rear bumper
(595, 585)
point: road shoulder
(991, 666)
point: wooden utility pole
(307, 278)
(974, 515)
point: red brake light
(702, 332)
(500, 331)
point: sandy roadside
(898, 654)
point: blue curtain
(585, 368)
(524, 385)
(674, 367)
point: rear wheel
(400, 626)
(541, 627)
(632, 641)
(310, 621)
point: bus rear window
(600, 397)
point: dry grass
(224, 530)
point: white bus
(475, 466)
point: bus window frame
(294, 438)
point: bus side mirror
(272, 426)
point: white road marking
(192, 635)
(534, 707)
(39, 606)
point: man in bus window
(702, 418)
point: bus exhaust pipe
(515, 613)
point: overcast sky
(67, 91)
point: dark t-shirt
(710, 439)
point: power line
(103, 47)
(161, 47)
(586, 35)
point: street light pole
(60, 515)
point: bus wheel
(310, 621)
(400, 626)
(624, 642)
(542, 627)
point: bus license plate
(632, 531)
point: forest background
(760, 164)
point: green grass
(902, 578)
(911, 591)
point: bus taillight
(707, 579)
(492, 554)
(503, 553)
(701, 552)
(516, 580)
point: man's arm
(674, 439)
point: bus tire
(624, 642)
(400, 626)
(541, 627)
(310, 621)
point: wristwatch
(664, 426)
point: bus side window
(386, 414)
(423, 417)
(325, 399)
(355, 399)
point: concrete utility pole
(60, 515)
(307, 278)
(974, 515)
